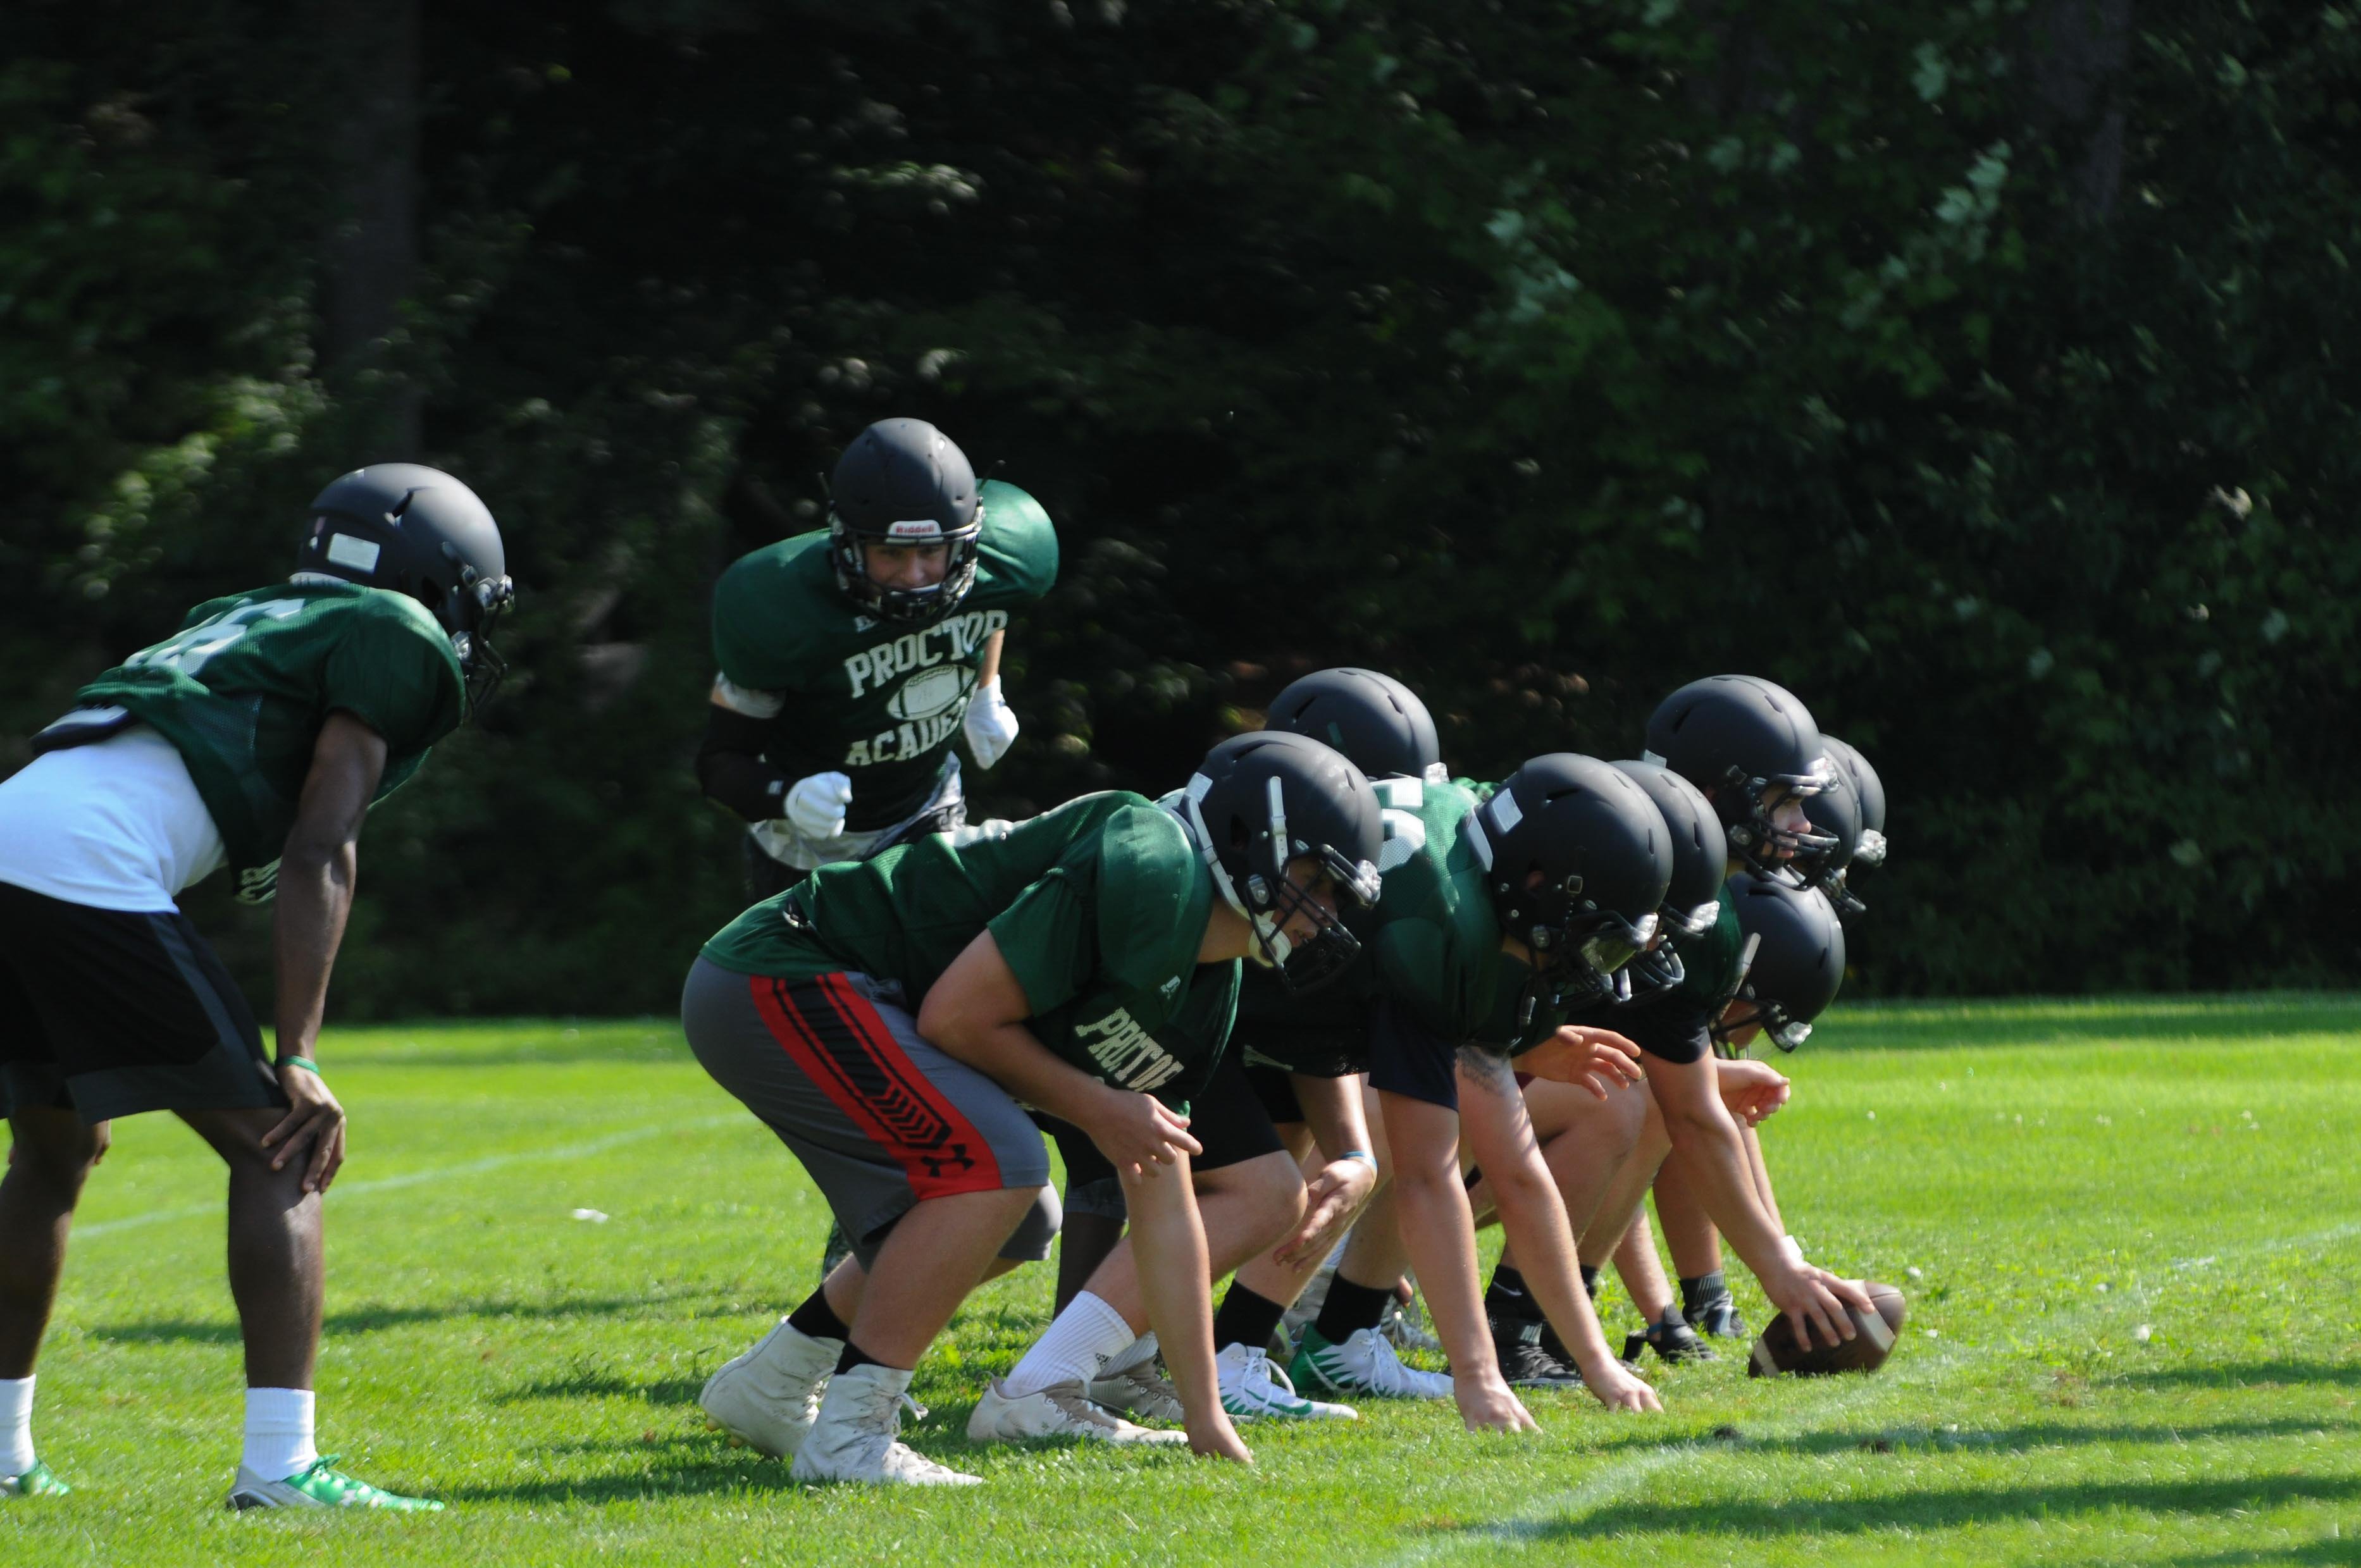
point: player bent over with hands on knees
(884, 1018)
(257, 736)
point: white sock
(15, 1425)
(1078, 1344)
(1139, 1354)
(279, 1432)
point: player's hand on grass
(1334, 1196)
(1216, 1438)
(1753, 1090)
(816, 805)
(1139, 1133)
(1814, 1302)
(1617, 1388)
(1487, 1404)
(1598, 1059)
(312, 1130)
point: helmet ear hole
(430, 594)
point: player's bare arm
(1344, 1185)
(317, 873)
(976, 1012)
(1438, 1231)
(1705, 1139)
(1501, 1138)
(1168, 1242)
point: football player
(256, 737)
(1752, 751)
(850, 659)
(884, 1017)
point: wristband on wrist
(1363, 1156)
(306, 1063)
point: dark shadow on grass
(2322, 1551)
(2036, 1436)
(744, 1471)
(604, 1386)
(1945, 1508)
(372, 1319)
(2243, 1375)
(2144, 1021)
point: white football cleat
(1253, 1388)
(1062, 1409)
(1364, 1364)
(855, 1436)
(1138, 1390)
(769, 1395)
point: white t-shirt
(113, 825)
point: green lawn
(2133, 1336)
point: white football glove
(990, 725)
(816, 805)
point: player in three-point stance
(884, 1017)
(256, 737)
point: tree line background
(1982, 371)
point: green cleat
(321, 1486)
(38, 1482)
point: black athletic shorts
(1669, 1027)
(111, 1013)
(1407, 1058)
(1275, 1088)
(1224, 1117)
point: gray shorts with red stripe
(834, 1065)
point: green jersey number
(189, 650)
(1405, 835)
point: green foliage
(1548, 355)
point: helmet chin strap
(1271, 947)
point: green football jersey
(846, 694)
(1098, 906)
(1709, 962)
(244, 687)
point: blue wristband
(1363, 1156)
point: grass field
(2135, 1339)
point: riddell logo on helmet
(924, 528)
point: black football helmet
(422, 533)
(1868, 854)
(1736, 736)
(1577, 860)
(1793, 963)
(902, 481)
(1372, 719)
(1693, 902)
(1260, 800)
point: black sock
(1351, 1308)
(1508, 1298)
(818, 1319)
(855, 1356)
(1704, 1288)
(1590, 1281)
(1246, 1317)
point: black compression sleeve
(731, 769)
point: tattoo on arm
(1488, 1069)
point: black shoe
(1672, 1339)
(1527, 1358)
(1707, 1307)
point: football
(1776, 1350)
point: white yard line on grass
(1612, 1481)
(417, 1178)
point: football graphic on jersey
(929, 693)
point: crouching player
(257, 736)
(885, 1017)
